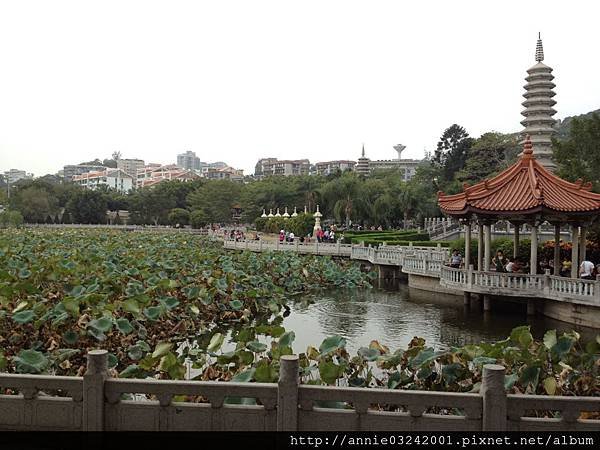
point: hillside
(564, 125)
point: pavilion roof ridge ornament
(539, 49)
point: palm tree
(345, 198)
(408, 202)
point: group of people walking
(501, 263)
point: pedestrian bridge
(426, 269)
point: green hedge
(397, 235)
(376, 243)
(384, 232)
(389, 238)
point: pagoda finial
(527, 147)
(539, 49)
(363, 150)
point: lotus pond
(162, 303)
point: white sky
(240, 80)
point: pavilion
(525, 193)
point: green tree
(10, 218)
(151, 206)
(301, 225)
(578, 156)
(216, 199)
(452, 150)
(87, 206)
(344, 199)
(198, 218)
(179, 216)
(490, 153)
(34, 203)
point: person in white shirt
(585, 270)
(292, 236)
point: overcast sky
(240, 80)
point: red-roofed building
(526, 192)
(153, 174)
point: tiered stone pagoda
(526, 192)
(538, 111)
(362, 166)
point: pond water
(393, 314)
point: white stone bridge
(571, 300)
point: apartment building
(112, 178)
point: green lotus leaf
(131, 305)
(287, 339)
(332, 344)
(368, 354)
(153, 312)
(169, 302)
(131, 371)
(30, 361)
(77, 291)
(256, 347)
(103, 324)
(23, 316)
(124, 326)
(135, 352)
(161, 349)
(70, 337)
(24, 273)
(236, 305)
(215, 342)
(245, 376)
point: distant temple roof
(524, 188)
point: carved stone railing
(419, 266)
(96, 402)
(522, 285)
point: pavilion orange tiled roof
(525, 187)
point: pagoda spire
(539, 49)
(538, 122)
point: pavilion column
(479, 246)
(575, 252)
(582, 246)
(488, 247)
(516, 242)
(534, 249)
(467, 245)
(557, 262)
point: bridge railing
(526, 285)
(575, 288)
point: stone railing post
(287, 393)
(93, 390)
(260, 244)
(470, 276)
(277, 244)
(339, 246)
(547, 282)
(297, 245)
(494, 398)
(597, 289)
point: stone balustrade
(96, 402)
(386, 255)
(522, 285)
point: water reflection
(393, 314)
